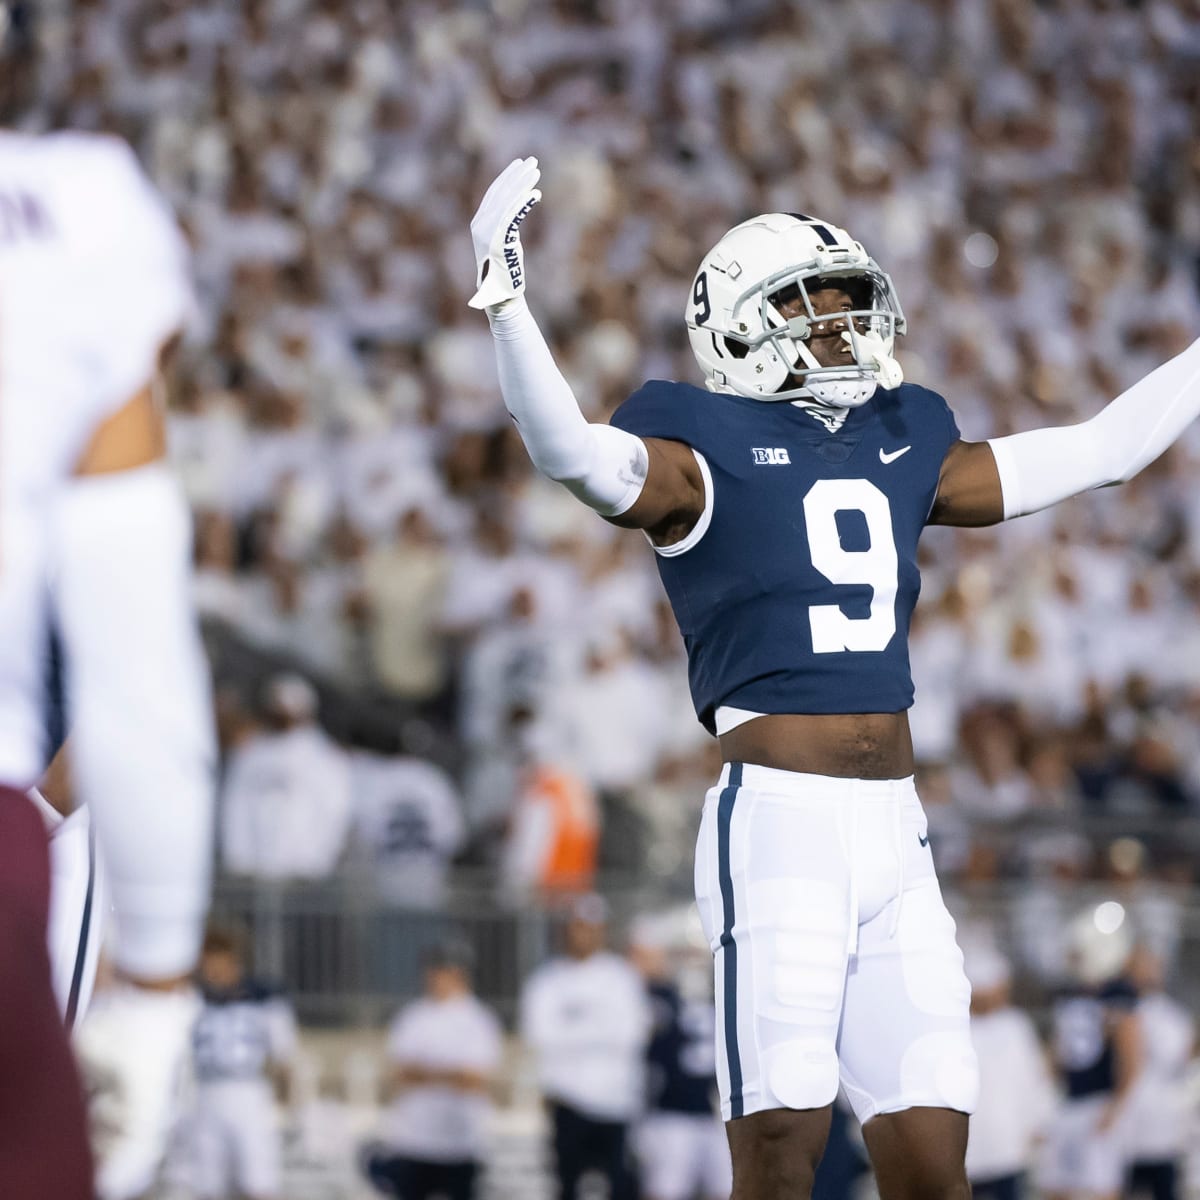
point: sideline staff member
(587, 1019)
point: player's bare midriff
(845, 746)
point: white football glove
(870, 347)
(496, 233)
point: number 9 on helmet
(745, 343)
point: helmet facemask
(870, 329)
(751, 319)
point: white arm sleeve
(604, 467)
(141, 733)
(1042, 467)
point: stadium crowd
(1028, 172)
(426, 654)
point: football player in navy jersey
(680, 1142)
(784, 500)
(1098, 1055)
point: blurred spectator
(243, 1045)
(518, 661)
(1016, 1094)
(1057, 861)
(613, 710)
(992, 787)
(286, 802)
(1159, 1113)
(554, 828)
(405, 582)
(444, 1051)
(586, 1019)
(408, 825)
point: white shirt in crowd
(408, 821)
(1157, 1123)
(434, 1123)
(285, 806)
(587, 1022)
(1016, 1095)
(615, 723)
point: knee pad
(942, 1064)
(803, 1073)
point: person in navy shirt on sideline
(784, 501)
(1098, 1055)
(681, 1144)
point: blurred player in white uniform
(243, 1044)
(94, 541)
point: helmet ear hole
(736, 349)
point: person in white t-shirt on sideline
(1016, 1091)
(1158, 1123)
(286, 802)
(444, 1051)
(587, 1019)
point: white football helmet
(743, 343)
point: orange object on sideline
(570, 857)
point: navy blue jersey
(1083, 1042)
(681, 1057)
(796, 596)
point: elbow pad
(618, 463)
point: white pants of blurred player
(1077, 1158)
(233, 1142)
(683, 1155)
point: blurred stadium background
(448, 695)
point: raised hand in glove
(496, 233)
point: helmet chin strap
(833, 395)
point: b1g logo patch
(771, 456)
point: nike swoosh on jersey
(923, 840)
(895, 454)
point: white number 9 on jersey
(877, 566)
